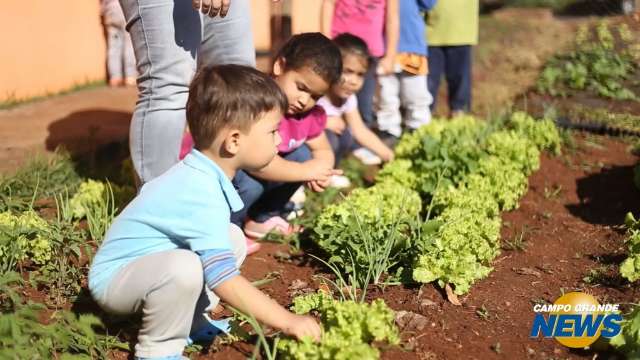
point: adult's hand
(213, 8)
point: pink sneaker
(275, 224)
(252, 246)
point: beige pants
(168, 288)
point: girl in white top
(344, 123)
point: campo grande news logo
(576, 320)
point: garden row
(628, 341)
(47, 252)
(433, 215)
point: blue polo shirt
(187, 207)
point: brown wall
(51, 45)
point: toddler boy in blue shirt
(175, 238)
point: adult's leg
(129, 56)
(250, 189)
(228, 40)
(415, 99)
(165, 35)
(277, 194)
(165, 287)
(436, 70)
(389, 118)
(366, 94)
(208, 299)
(458, 72)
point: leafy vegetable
(349, 329)
(628, 340)
(23, 236)
(596, 64)
(361, 226)
(443, 152)
(89, 194)
(630, 267)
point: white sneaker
(298, 197)
(367, 157)
(339, 182)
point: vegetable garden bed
(561, 235)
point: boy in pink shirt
(306, 66)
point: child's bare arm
(322, 158)
(326, 16)
(239, 293)
(280, 169)
(367, 138)
(321, 151)
(392, 35)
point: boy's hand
(386, 65)
(300, 326)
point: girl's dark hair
(229, 95)
(314, 50)
(351, 44)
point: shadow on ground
(97, 140)
(606, 196)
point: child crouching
(304, 68)
(344, 123)
(174, 240)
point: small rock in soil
(410, 321)
(526, 271)
(282, 256)
(425, 304)
(298, 284)
(530, 351)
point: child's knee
(185, 268)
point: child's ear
(232, 142)
(278, 66)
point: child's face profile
(354, 68)
(261, 142)
(303, 87)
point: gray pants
(410, 92)
(121, 62)
(170, 40)
(168, 288)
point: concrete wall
(51, 45)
